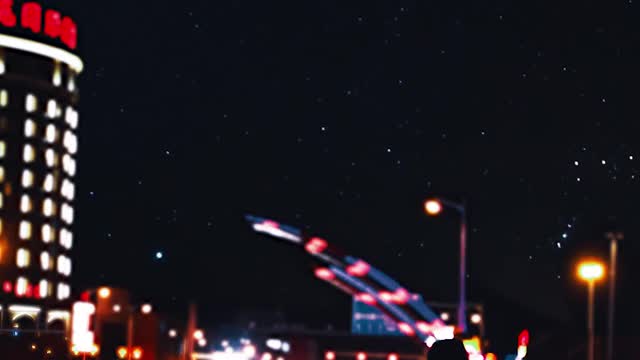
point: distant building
(38, 149)
(119, 318)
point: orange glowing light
(137, 353)
(122, 352)
(104, 292)
(433, 207)
(590, 270)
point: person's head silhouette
(448, 350)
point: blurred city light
(146, 309)
(433, 207)
(359, 269)
(122, 352)
(324, 274)
(116, 308)
(202, 342)
(329, 355)
(137, 353)
(104, 292)
(199, 334)
(173, 333)
(249, 350)
(590, 270)
(445, 316)
(392, 357)
(316, 246)
(476, 319)
(361, 356)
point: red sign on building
(33, 17)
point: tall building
(38, 149)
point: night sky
(342, 117)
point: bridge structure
(365, 283)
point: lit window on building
(57, 74)
(71, 117)
(48, 207)
(23, 258)
(45, 261)
(68, 190)
(48, 234)
(30, 128)
(3, 149)
(1, 200)
(64, 265)
(64, 291)
(28, 153)
(70, 142)
(51, 157)
(4, 98)
(31, 104)
(49, 183)
(67, 213)
(71, 85)
(25, 230)
(1, 174)
(25, 204)
(52, 108)
(27, 178)
(51, 134)
(21, 286)
(66, 239)
(69, 165)
(43, 288)
(3, 66)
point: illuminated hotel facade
(38, 149)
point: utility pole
(613, 259)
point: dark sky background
(342, 117)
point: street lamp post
(613, 258)
(591, 271)
(434, 207)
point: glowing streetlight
(137, 353)
(202, 342)
(476, 319)
(104, 292)
(434, 207)
(199, 334)
(173, 333)
(591, 271)
(146, 309)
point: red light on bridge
(329, 355)
(405, 329)
(392, 357)
(423, 327)
(366, 298)
(401, 296)
(316, 246)
(271, 224)
(385, 296)
(361, 356)
(325, 274)
(359, 269)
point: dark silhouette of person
(448, 350)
